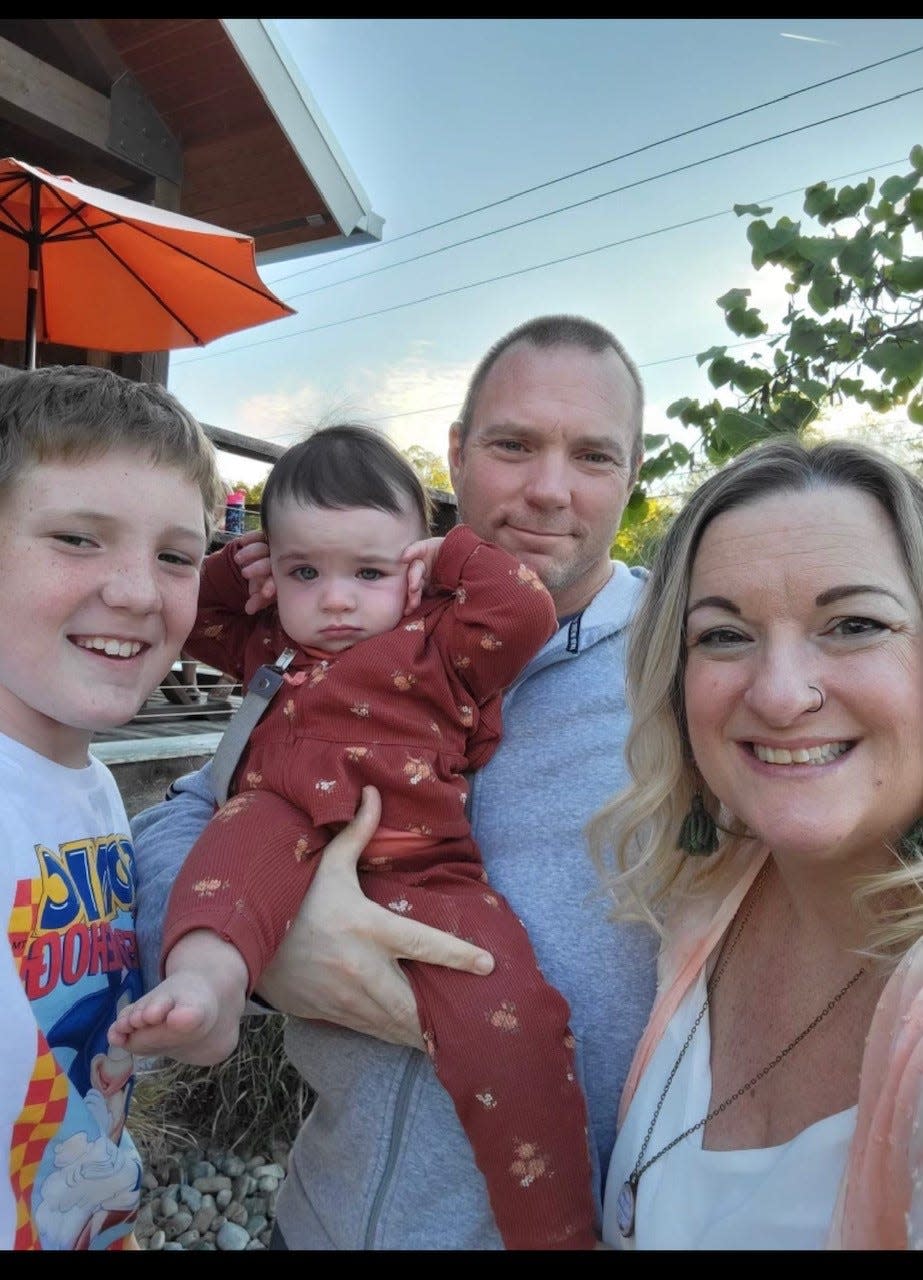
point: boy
(401, 691)
(107, 490)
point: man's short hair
(74, 413)
(345, 465)
(559, 331)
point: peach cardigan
(880, 1201)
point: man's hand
(339, 960)
(252, 558)
(420, 556)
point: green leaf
(851, 387)
(848, 346)
(679, 407)
(889, 247)
(691, 413)
(907, 275)
(654, 442)
(717, 450)
(768, 244)
(806, 337)
(894, 189)
(681, 455)
(737, 431)
(658, 467)
(916, 158)
(820, 251)
(813, 389)
(721, 371)
(851, 199)
(748, 379)
(881, 212)
(733, 300)
(711, 354)
(635, 508)
(746, 322)
(754, 210)
(915, 411)
(897, 360)
(818, 199)
(857, 257)
(824, 291)
(792, 413)
(914, 208)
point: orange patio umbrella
(88, 268)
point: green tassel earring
(699, 833)
(911, 842)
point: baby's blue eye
(75, 539)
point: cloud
(417, 399)
(413, 401)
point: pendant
(625, 1210)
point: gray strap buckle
(260, 692)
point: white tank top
(770, 1198)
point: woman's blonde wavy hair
(633, 840)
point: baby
(403, 647)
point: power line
(601, 164)
(453, 408)
(693, 164)
(577, 204)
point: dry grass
(253, 1101)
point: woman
(776, 678)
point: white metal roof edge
(300, 119)
(265, 257)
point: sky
(466, 130)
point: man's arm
(340, 960)
(162, 836)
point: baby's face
(338, 574)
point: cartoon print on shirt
(76, 1181)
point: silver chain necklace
(627, 1198)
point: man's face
(545, 471)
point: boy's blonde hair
(73, 413)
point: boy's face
(99, 578)
(338, 575)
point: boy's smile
(99, 578)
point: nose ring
(820, 694)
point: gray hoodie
(382, 1161)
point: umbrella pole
(34, 263)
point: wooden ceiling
(166, 110)
(203, 116)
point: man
(543, 459)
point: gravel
(209, 1200)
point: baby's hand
(252, 558)
(420, 556)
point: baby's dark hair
(346, 465)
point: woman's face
(799, 589)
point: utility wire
(693, 164)
(601, 164)
(568, 208)
(453, 408)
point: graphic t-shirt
(67, 892)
